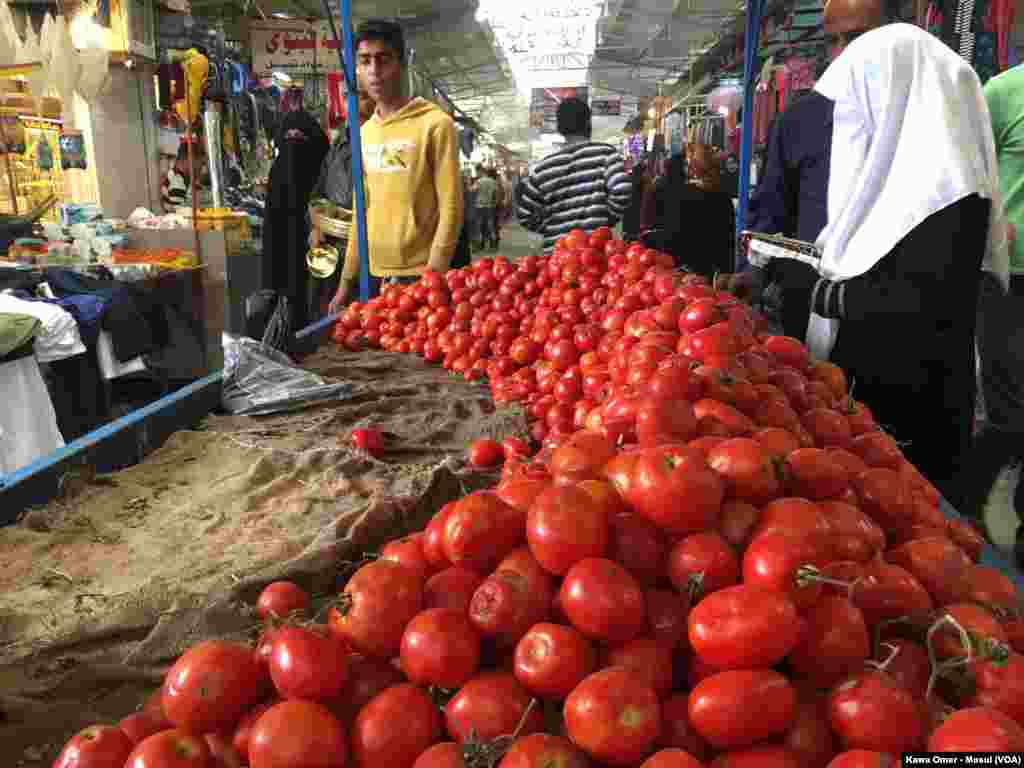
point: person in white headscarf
(913, 218)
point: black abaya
(906, 339)
(302, 146)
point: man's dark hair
(387, 32)
(573, 118)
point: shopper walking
(582, 186)
(411, 156)
(486, 203)
(695, 220)
(302, 146)
(1001, 316)
(894, 296)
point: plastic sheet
(259, 380)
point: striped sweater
(583, 186)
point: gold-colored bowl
(322, 262)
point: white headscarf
(911, 135)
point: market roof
(450, 46)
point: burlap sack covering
(102, 589)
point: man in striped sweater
(582, 186)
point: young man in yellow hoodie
(411, 158)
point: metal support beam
(752, 35)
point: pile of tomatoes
(708, 555)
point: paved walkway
(516, 243)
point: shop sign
(285, 46)
(544, 106)
(606, 107)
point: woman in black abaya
(302, 146)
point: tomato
(887, 591)
(376, 604)
(863, 758)
(978, 729)
(520, 494)
(440, 647)
(516, 447)
(447, 754)
(811, 738)
(173, 749)
(763, 756)
(491, 705)
(877, 449)
(1001, 686)
(243, 731)
(939, 564)
(369, 440)
(650, 659)
(814, 474)
(677, 732)
(676, 490)
(280, 599)
(672, 758)
(801, 519)
(506, 604)
(480, 530)
(737, 522)
(613, 717)
(212, 685)
(521, 562)
(98, 746)
(141, 725)
(778, 442)
(706, 558)
(835, 643)
(551, 660)
(305, 664)
(603, 601)
(408, 551)
(787, 350)
(963, 534)
(222, 753)
(433, 538)
(639, 546)
(660, 420)
(566, 525)
(739, 708)
(298, 734)
(872, 711)
(733, 421)
(376, 741)
(485, 453)
(979, 622)
(748, 471)
(451, 588)
(539, 750)
(855, 536)
(744, 626)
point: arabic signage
(544, 106)
(294, 47)
(606, 107)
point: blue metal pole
(348, 66)
(752, 37)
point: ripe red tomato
(977, 729)
(660, 420)
(762, 756)
(863, 758)
(835, 643)
(305, 664)
(516, 447)
(451, 588)
(141, 725)
(447, 754)
(811, 737)
(613, 716)
(485, 453)
(539, 750)
(98, 746)
(552, 659)
(480, 530)
(491, 705)
(738, 521)
(651, 661)
(638, 545)
(433, 538)
(565, 525)
(747, 469)
(507, 604)
(672, 758)
(603, 601)
(298, 734)
(677, 732)
(704, 556)
(408, 551)
(377, 741)
(675, 489)
(376, 604)
(744, 626)
(938, 564)
(369, 440)
(440, 647)
(1001, 686)
(739, 708)
(172, 749)
(872, 711)
(280, 599)
(212, 685)
(243, 731)
(773, 561)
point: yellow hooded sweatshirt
(414, 192)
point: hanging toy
(197, 74)
(72, 151)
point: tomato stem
(806, 575)
(975, 647)
(882, 666)
(694, 588)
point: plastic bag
(259, 380)
(94, 73)
(64, 66)
(10, 42)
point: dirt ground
(100, 590)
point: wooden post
(7, 163)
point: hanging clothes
(302, 147)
